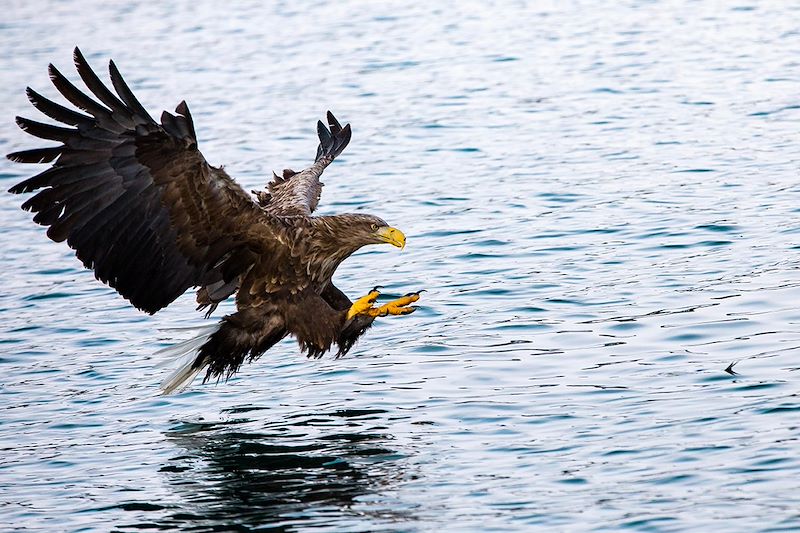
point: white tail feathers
(181, 378)
(186, 353)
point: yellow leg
(363, 304)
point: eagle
(144, 210)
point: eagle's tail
(331, 142)
(220, 349)
(187, 352)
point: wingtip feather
(334, 140)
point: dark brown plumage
(140, 205)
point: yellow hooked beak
(391, 235)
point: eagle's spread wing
(141, 206)
(298, 193)
(136, 199)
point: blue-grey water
(602, 202)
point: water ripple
(601, 203)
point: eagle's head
(369, 229)
(337, 237)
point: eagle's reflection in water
(306, 470)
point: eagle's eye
(374, 227)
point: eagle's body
(140, 205)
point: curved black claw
(417, 293)
(374, 294)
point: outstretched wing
(298, 193)
(135, 199)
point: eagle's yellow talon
(363, 304)
(400, 306)
(403, 301)
(397, 307)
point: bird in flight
(140, 206)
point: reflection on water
(297, 471)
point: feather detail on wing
(135, 199)
(298, 193)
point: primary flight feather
(140, 206)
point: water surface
(601, 203)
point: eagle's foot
(364, 304)
(401, 306)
